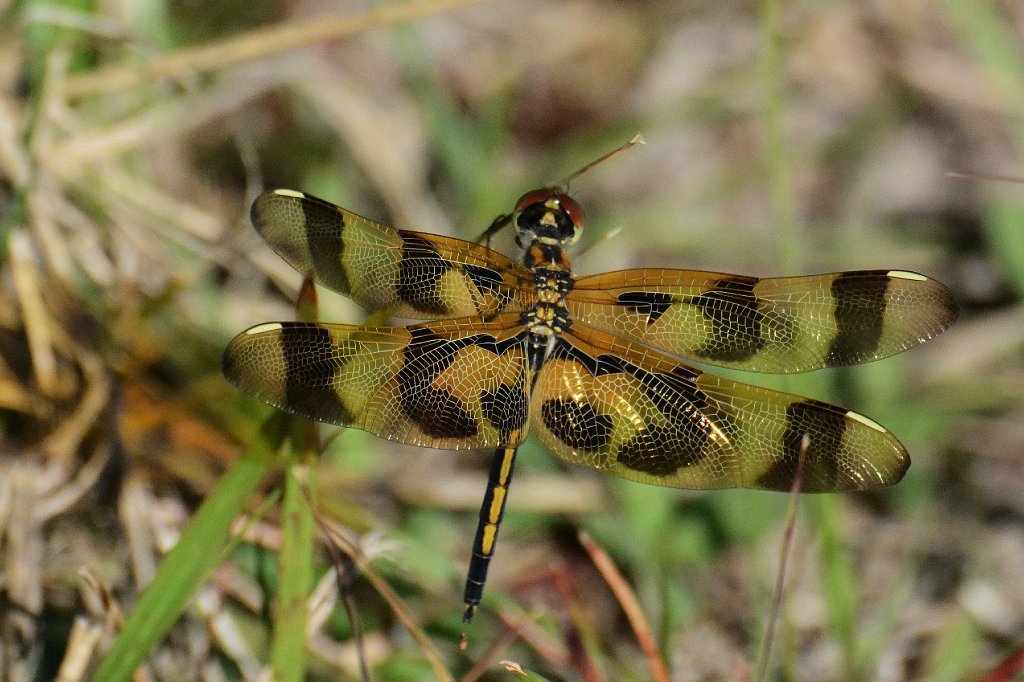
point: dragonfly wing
(609, 404)
(780, 325)
(445, 385)
(412, 274)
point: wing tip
(263, 202)
(291, 193)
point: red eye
(565, 202)
(536, 196)
(572, 209)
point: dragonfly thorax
(552, 281)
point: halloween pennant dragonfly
(590, 365)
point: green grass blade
(956, 652)
(839, 585)
(295, 576)
(779, 173)
(201, 549)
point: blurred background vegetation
(783, 137)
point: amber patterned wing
(446, 385)
(609, 404)
(783, 324)
(412, 274)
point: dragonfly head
(547, 215)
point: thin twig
(787, 544)
(334, 534)
(344, 571)
(986, 176)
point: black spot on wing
(653, 304)
(860, 314)
(599, 366)
(730, 307)
(325, 233)
(564, 350)
(675, 395)
(438, 413)
(656, 449)
(577, 424)
(506, 408)
(511, 343)
(487, 281)
(419, 273)
(662, 450)
(825, 425)
(310, 366)
(683, 373)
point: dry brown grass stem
(261, 43)
(85, 637)
(630, 606)
(173, 117)
(38, 329)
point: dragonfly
(594, 366)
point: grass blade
(201, 549)
(295, 577)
